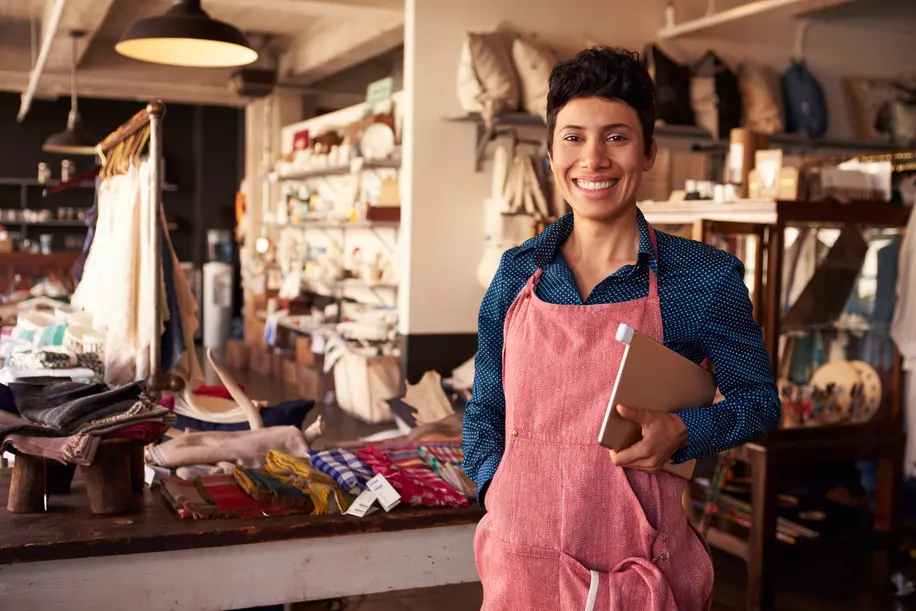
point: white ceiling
(288, 25)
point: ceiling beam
(320, 8)
(84, 15)
(92, 85)
(331, 46)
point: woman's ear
(651, 154)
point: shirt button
(664, 538)
(663, 557)
(515, 433)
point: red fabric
(417, 485)
(145, 432)
(561, 516)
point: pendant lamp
(73, 140)
(186, 36)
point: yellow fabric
(299, 472)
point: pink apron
(565, 528)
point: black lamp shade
(71, 141)
(186, 36)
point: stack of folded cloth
(327, 497)
(215, 496)
(65, 421)
(418, 485)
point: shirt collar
(550, 241)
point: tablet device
(653, 377)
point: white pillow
(487, 80)
(533, 62)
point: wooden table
(148, 559)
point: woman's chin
(598, 210)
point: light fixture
(73, 140)
(186, 36)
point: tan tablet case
(653, 377)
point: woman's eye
(572, 138)
(617, 138)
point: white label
(149, 476)
(362, 506)
(388, 497)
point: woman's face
(599, 156)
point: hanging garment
(903, 332)
(566, 528)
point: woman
(567, 525)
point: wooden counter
(219, 564)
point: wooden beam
(84, 15)
(320, 8)
(331, 46)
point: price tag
(362, 506)
(387, 496)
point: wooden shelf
(767, 212)
(340, 170)
(32, 182)
(343, 226)
(684, 135)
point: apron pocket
(515, 578)
(636, 583)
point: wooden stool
(108, 479)
(27, 488)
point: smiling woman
(609, 531)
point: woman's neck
(609, 243)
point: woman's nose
(594, 156)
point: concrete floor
(818, 582)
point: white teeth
(596, 186)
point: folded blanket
(65, 405)
(344, 467)
(244, 448)
(76, 449)
(418, 486)
(215, 496)
(326, 495)
(267, 488)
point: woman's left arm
(733, 341)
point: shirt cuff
(488, 468)
(700, 435)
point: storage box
(261, 361)
(304, 354)
(310, 383)
(237, 355)
(290, 372)
(363, 384)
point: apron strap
(533, 280)
(653, 279)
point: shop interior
(242, 386)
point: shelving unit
(881, 439)
(340, 170)
(694, 138)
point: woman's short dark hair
(604, 72)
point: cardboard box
(310, 383)
(279, 356)
(261, 361)
(237, 355)
(304, 354)
(290, 372)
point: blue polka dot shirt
(706, 312)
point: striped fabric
(343, 466)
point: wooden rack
(151, 116)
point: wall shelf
(695, 138)
(340, 170)
(33, 182)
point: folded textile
(326, 495)
(287, 413)
(76, 449)
(65, 405)
(215, 496)
(142, 411)
(344, 467)
(418, 486)
(141, 432)
(451, 472)
(192, 472)
(268, 488)
(245, 448)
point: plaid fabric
(344, 467)
(452, 473)
(445, 453)
(418, 486)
